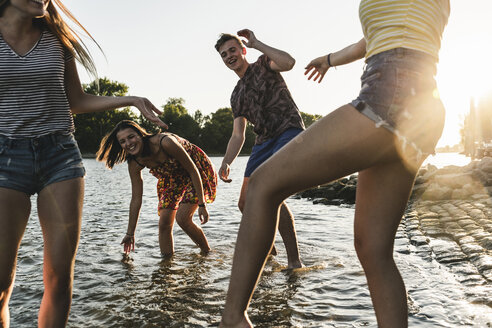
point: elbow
(291, 63)
(75, 102)
(136, 203)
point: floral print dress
(174, 185)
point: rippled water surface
(189, 289)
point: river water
(189, 289)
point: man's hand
(251, 39)
(224, 172)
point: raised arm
(174, 149)
(281, 61)
(135, 173)
(234, 146)
(81, 102)
(319, 66)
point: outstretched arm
(174, 149)
(81, 102)
(319, 66)
(134, 171)
(281, 61)
(233, 147)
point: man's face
(233, 55)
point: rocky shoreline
(448, 218)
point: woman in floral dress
(186, 180)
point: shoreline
(448, 217)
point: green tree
(310, 118)
(217, 131)
(176, 116)
(90, 128)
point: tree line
(209, 132)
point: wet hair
(70, 39)
(224, 37)
(110, 150)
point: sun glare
(461, 79)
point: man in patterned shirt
(261, 97)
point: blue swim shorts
(30, 164)
(265, 150)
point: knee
(58, 283)
(240, 204)
(165, 226)
(185, 223)
(373, 253)
(260, 188)
(5, 289)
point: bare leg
(287, 230)
(341, 143)
(242, 201)
(375, 228)
(184, 217)
(60, 214)
(166, 223)
(16, 207)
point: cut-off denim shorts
(398, 92)
(30, 164)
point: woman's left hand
(317, 68)
(149, 111)
(203, 214)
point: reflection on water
(188, 290)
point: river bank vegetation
(209, 132)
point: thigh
(341, 143)
(170, 192)
(15, 207)
(60, 216)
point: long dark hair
(67, 36)
(110, 150)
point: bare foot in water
(294, 265)
(244, 323)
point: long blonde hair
(67, 36)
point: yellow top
(414, 24)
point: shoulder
(168, 140)
(134, 165)
(264, 61)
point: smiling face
(130, 141)
(29, 8)
(233, 56)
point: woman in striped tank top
(384, 134)
(39, 91)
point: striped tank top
(33, 101)
(413, 24)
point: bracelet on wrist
(132, 235)
(328, 59)
(201, 205)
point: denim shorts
(30, 164)
(265, 150)
(399, 93)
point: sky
(163, 49)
